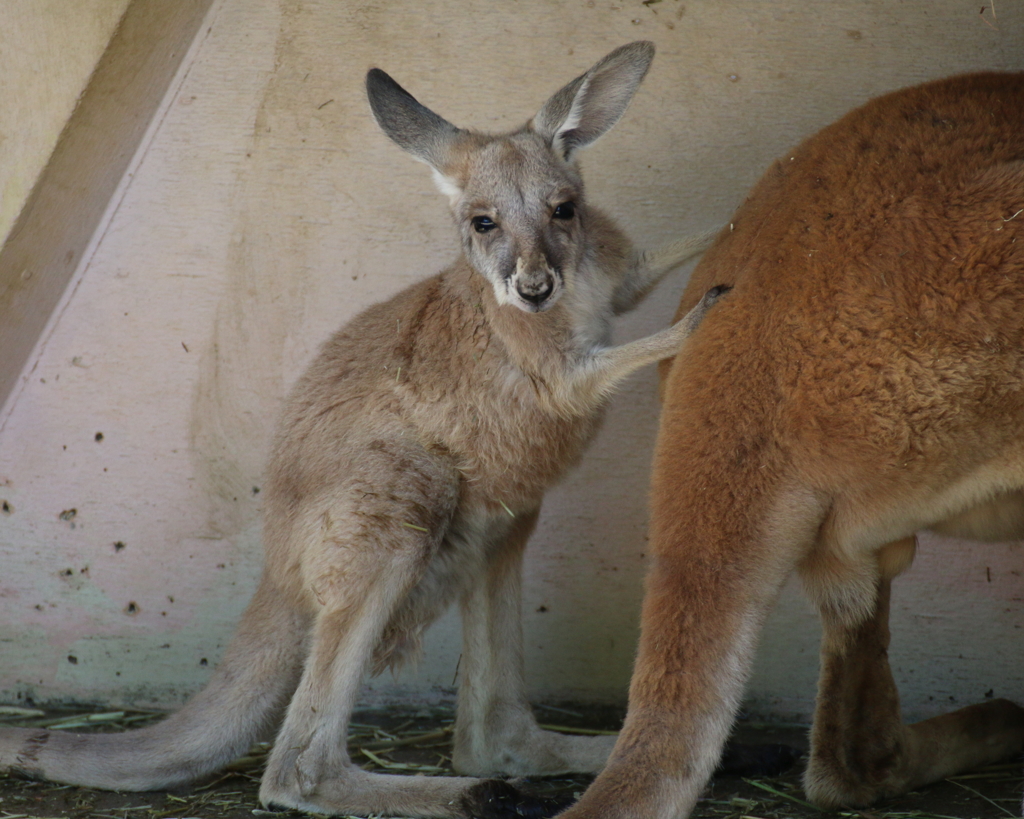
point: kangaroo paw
(740, 759)
(497, 799)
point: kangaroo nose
(535, 292)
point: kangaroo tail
(242, 703)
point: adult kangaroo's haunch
(407, 473)
(863, 380)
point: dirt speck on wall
(269, 209)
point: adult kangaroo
(863, 380)
(407, 473)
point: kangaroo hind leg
(495, 731)
(860, 749)
(372, 547)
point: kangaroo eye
(483, 224)
(565, 211)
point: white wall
(268, 209)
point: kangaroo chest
(508, 448)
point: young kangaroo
(408, 472)
(863, 380)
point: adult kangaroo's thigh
(729, 523)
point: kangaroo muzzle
(537, 286)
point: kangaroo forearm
(650, 266)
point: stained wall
(266, 209)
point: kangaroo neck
(534, 342)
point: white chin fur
(505, 295)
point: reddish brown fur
(862, 381)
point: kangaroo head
(517, 198)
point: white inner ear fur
(572, 120)
(447, 186)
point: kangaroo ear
(592, 103)
(412, 126)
